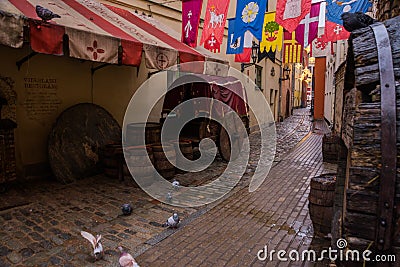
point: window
(258, 76)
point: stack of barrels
(162, 157)
(185, 147)
(112, 160)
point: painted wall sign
(41, 100)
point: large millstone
(76, 138)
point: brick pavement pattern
(41, 220)
(234, 231)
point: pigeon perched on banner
(95, 241)
(45, 14)
(126, 259)
(172, 221)
(355, 21)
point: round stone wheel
(76, 139)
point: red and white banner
(214, 24)
(335, 32)
(90, 46)
(320, 48)
(289, 13)
(245, 56)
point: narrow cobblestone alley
(234, 231)
(42, 219)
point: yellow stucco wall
(70, 82)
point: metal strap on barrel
(388, 141)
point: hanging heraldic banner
(191, 11)
(214, 24)
(289, 13)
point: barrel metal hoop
(388, 139)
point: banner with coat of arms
(233, 46)
(214, 24)
(191, 11)
(320, 47)
(250, 17)
(272, 34)
(292, 50)
(289, 13)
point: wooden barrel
(136, 159)
(185, 146)
(330, 148)
(321, 202)
(163, 166)
(134, 133)
(111, 157)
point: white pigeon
(175, 184)
(95, 241)
(172, 221)
(126, 259)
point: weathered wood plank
(360, 225)
(362, 201)
(365, 55)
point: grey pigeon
(126, 209)
(126, 259)
(45, 14)
(95, 241)
(355, 21)
(172, 221)
(175, 184)
(169, 197)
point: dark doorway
(287, 104)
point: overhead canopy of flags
(305, 22)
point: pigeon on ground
(126, 259)
(355, 21)
(45, 14)
(172, 221)
(126, 209)
(175, 184)
(95, 241)
(169, 197)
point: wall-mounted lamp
(254, 55)
(286, 72)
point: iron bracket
(99, 67)
(24, 59)
(385, 217)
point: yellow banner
(272, 34)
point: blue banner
(250, 16)
(234, 46)
(336, 8)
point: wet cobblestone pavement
(41, 220)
